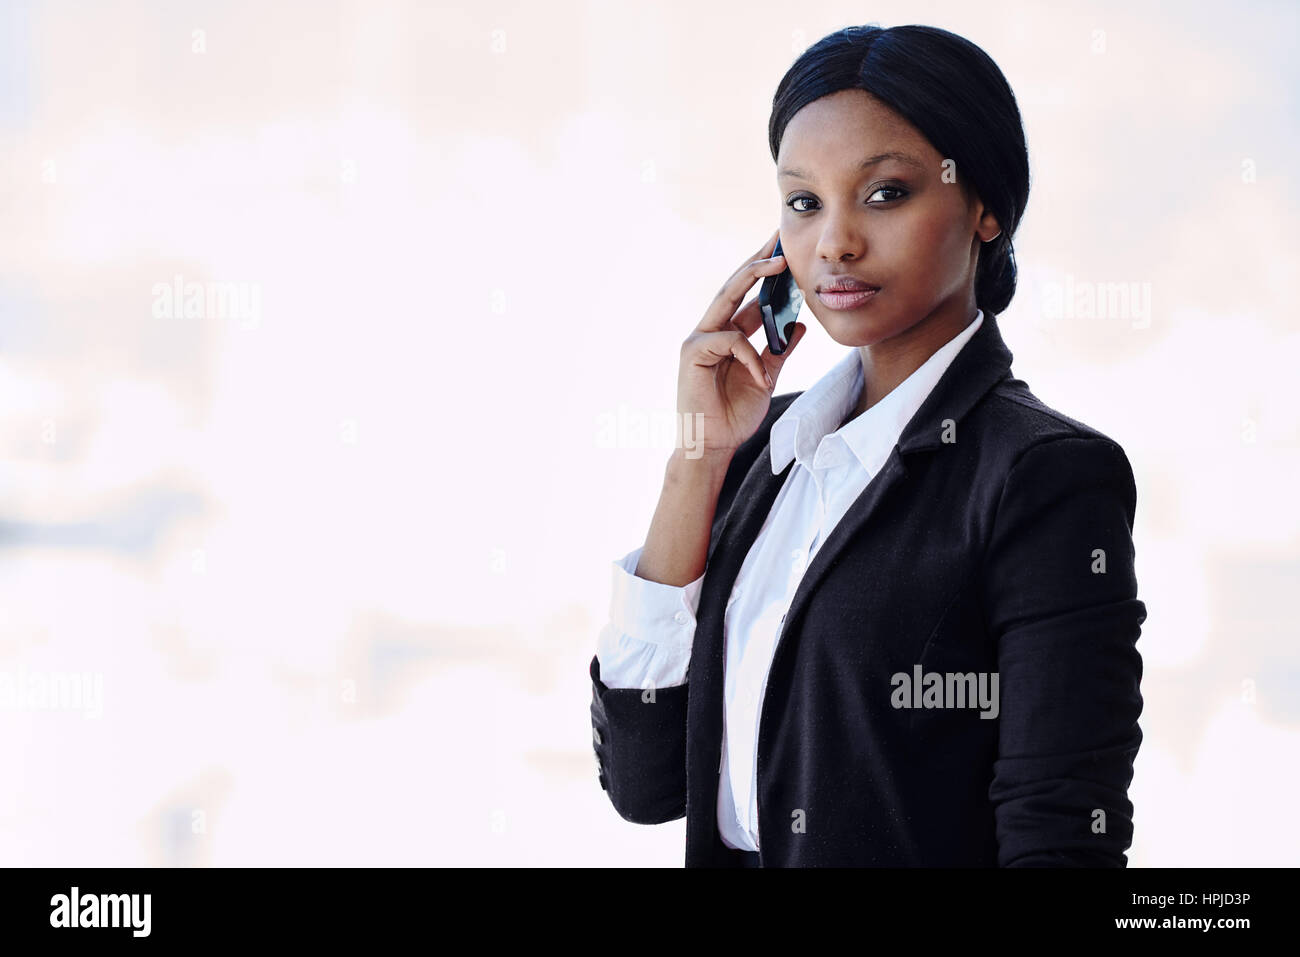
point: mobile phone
(780, 300)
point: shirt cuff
(652, 611)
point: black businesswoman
(995, 540)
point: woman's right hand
(722, 376)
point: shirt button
(681, 618)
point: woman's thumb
(792, 339)
(775, 362)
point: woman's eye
(890, 189)
(894, 192)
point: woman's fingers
(773, 362)
(748, 318)
(732, 293)
(764, 251)
(729, 297)
(715, 347)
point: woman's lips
(846, 300)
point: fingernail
(770, 383)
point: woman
(890, 620)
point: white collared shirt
(651, 625)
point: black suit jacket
(997, 538)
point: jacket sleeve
(1060, 594)
(640, 741)
(639, 735)
(638, 708)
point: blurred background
(338, 348)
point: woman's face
(903, 223)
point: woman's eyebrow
(797, 172)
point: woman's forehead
(855, 125)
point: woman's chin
(847, 330)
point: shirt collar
(821, 409)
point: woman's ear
(988, 229)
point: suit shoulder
(1044, 453)
(1023, 421)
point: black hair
(950, 90)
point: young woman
(890, 620)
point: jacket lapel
(982, 363)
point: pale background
(339, 562)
